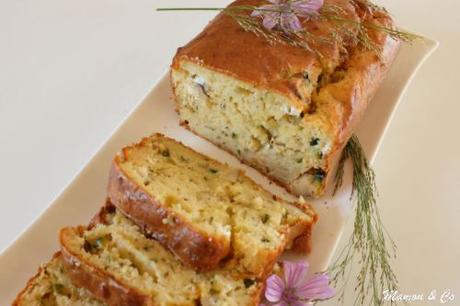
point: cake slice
(52, 286)
(207, 213)
(116, 262)
(280, 108)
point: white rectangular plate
(86, 193)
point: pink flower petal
(300, 303)
(275, 289)
(305, 8)
(290, 23)
(317, 288)
(275, 1)
(295, 273)
(271, 20)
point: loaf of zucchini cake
(207, 213)
(53, 287)
(119, 265)
(282, 109)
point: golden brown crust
(102, 284)
(225, 47)
(98, 282)
(301, 235)
(30, 282)
(354, 93)
(101, 216)
(194, 248)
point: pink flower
(285, 13)
(295, 289)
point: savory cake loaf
(207, 213)
(53, 287)
(116, 262)
(284, 110)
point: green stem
(406, 36)
(368, 244)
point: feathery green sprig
(305, 39)
(370, 245)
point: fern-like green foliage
(370, 246)
(333, 14)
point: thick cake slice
(202, 210)
(53, 287)
(282, 109)
(119, 265)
